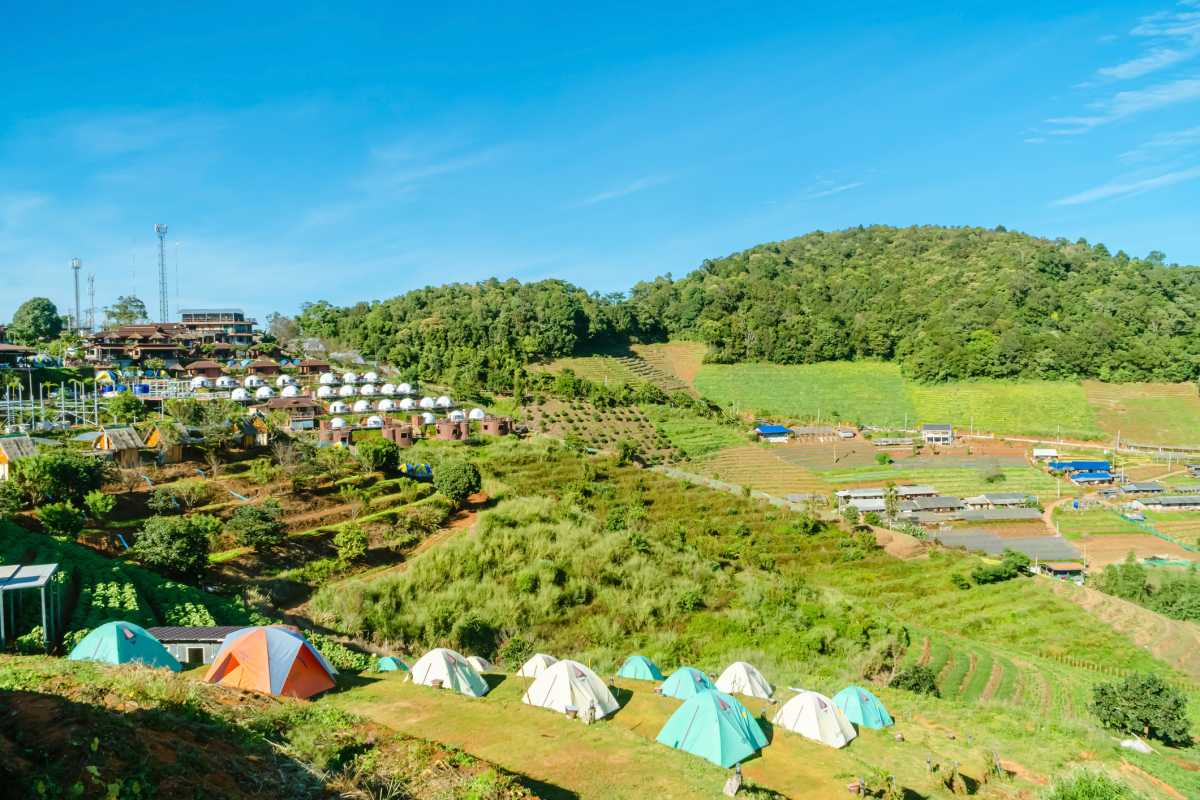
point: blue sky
(302, 151)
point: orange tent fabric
(271, 660)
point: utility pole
(163, 305)
(77, 323)
(91, 324)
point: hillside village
(276, 519)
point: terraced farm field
(759, 467)
(1092, 522)
(1039, 408)
(622, 368)
(1183, 526)
(681, 359)
(957, 481)
(693, 435)
(1147, 413)
(867, 392)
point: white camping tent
(744, 679)
(388, 389)
(329, 379)
(285, 380)
(326, 392)
(815, 716)
(444, 402)
(404, 388)
(480, 664)
(428, 418)
(337, 423)
(367, 389)
(569, 684)
(253, 382)
(374, 422)
(264, 393)
(386, 405)
(201, 382)
(456, 416)
(536, 665)
(407, 404)
(426, 402)
(451, 670)
(291, 391)
(477, 414)
(347, 391)
(362, 406)
(239, 395)
(349, 377)
(227, 382)
(339, 407)
(371, 377)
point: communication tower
(161, 230)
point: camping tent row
(268, 659)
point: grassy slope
(696, 436)
(104, 729)
(1147, 412)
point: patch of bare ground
(997, 674)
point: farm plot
(602, 428)
(601, 369)
(961, 482)
(1113, 548)
(1092, 522)
(1040, 408)
(694, 435)
(759, 467)
(1181, 525)
(866, 392)
(1147, 413)
(679, 359)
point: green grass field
(1147, 413)
(1038, 408)
(1092, 522)
(958, 481)
(696, 436)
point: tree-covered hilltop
(946, 303)
(476, 334)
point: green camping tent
(714, 726)
(862, 708)
(123, 643)
(391, 664)
(640, 668)
(685, 682)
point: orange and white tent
(272, 660)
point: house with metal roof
(777, 434)
(814, 432)
(997, 500)
(1169, 502)
(12, 449)
(1091, 478)
(193, 646)
(941, 504)
(1045, 454)
(1017, 514)
(1145, 487)
(1062, 570)
(1080, 466)
(937, 433)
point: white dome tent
(449, 670)
(290, 391)
(371, 377)
(367, 390)
(253, 382)
(407, 404)
(814, 716)
(426, 403)
(744, 679)
(386, 405)
(350, 378)
(337, 423)
(536, 665)
(329, 379)
(480, 664)
(362, 406)
(388, 389)
(569, 684)
(285, 380)
(264, 393)
(339, 407)
(428, 418)
(226, 382)
(239, 395)
(374, 422)
(201, 382)
(405, 388)
(477, 414)
(326, 392)
(456, 416)
(444, 402)
(347, 391)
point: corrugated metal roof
(19, 446)
(123, 439)
(28, 576)
(208, 633)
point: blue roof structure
(1080, 466)
(773, 430)
(1092, 476)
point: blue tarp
(1092, 476)
(1080, 466)
(773, 430)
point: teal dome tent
(640, 668)
(685, 683)
(714, 726)
(123, 643)
(391, 664)
(862, 708)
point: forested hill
(946, 303)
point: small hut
(205, 369)
(313, 366)
(453, 430)
(400, 434)
(123, 444)
(496, 426)
(169, 439)
(12, 449)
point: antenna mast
(77, 323)
(91, 303)
(163, 310)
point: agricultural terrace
(1147, 413)
(680, 359)
(604, 428)
(693, 435)
(875, 393)
(626, 367)
(960, 481)
(765, 468)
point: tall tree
(37, 320)
(126, 311)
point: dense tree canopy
(947, 303)
(126, 311)
(36, 320)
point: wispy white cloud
(1127, 104)
(1153, 61)
(1163, 144)
(1035, 140)
(832, 190)
(633, 187)
(1129, 186)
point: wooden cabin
(169, 439)
(12, 449)
(123, 444)
(263, 368)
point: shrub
(351, 543)
(457, 480)
(99, 505)
(12, 500)
(378, 455)
(918, 679)
(515, 652)
(264, 472)
(1012, 565)
(176, 545)
(62, 475)
(126, 408)
(476, 636)
(162, 502)
(1144, 704)
(259, 526)
(882, 459)
(61, 519)
(1090, 786)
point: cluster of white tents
(711, 723)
